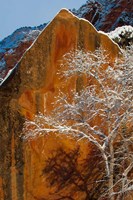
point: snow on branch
(96, 113)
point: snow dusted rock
(13, 47)
(31, 87)
(122, 35)
(106, 15)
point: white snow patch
(121, 31)
(10, 51)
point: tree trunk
(111, 176)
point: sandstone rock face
(13, 47)
(107, 15)
(30, 88)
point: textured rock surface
(107, 15)
(13, 47)
(30, 88)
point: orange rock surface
(31, 88)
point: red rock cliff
(107, 15)
(30, 88)
(104, 15)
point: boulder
(31, 87)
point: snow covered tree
(99, 111)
